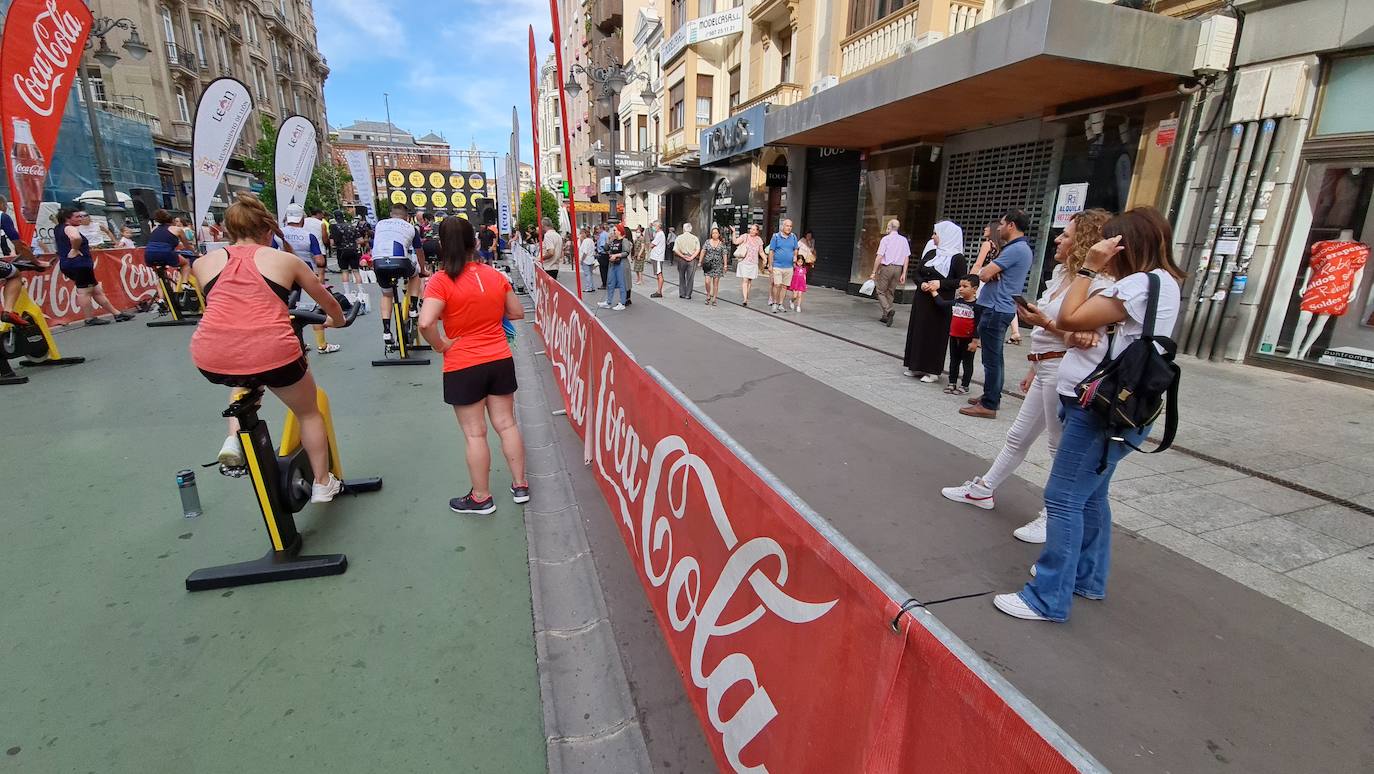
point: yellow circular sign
(477, 182)
(419, 199)
(463, 215)
(476, 200)
(436, 179)
(459, 200)
(440, 199)
(395, 178)
(398, 197)
(417, 179)
(456, 180)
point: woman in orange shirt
(472, 299)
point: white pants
(1039, 412)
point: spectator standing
(586, 251)
(603, 259)
(927, 334)
(1005, 276)
(748, 250)
(1049, 345)
(686, 251)
(550, 248)
(714, 258)
(126, 239)
(657, 253)
(806, 258)
(639, 255)
(782, 257)
(1077, 553)
(618, 257)
(889, 269)
(963, 324)
(466, 303)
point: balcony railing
(181, 131)
(964, 14)
(236, 31)
(782, 94)
(184, 58)
(284, 66)
(878, 42)
(125, 111)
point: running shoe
(328, 348)
(231, 453)
(123, 317)
(1014, 606)
(974, 493)
(97, 321)
(323, 493)
(520, 494)
(618, 308)
(930, 378)
(468, 504)
(603, 304)
(1034, 532)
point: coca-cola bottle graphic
(29, 171)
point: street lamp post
(107, 56)
(612, 80)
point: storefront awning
(1035, 60)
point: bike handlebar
(303, 317)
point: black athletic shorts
(277, 378)
(348, 260)
(83, 276)
(390, 270)
(469, 385)
(7, 270)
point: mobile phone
(1021, 302)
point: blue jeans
(1078, 533)
(615, 280)
(992, 335)
(589, 273)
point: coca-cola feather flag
(39, 53)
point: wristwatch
(1089, 273)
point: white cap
(295, 213)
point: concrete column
(932, 16)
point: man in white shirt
(657, 250)
(586, 251)
(306, 245)
(550, 248)
(396, 255)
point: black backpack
(1128, 392)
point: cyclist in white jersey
(305, 243)
(396, 254)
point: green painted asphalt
(419, 659)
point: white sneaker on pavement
(603, 304)
(928, 378)
(908, 372)
(328, 349)
(1034, 532)
(1014, 606)
(972, 493)
(619, 307)
(323, 493)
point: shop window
(865, 12)
(1323, 308)
(1347, 96)
(677, 113)
(902, 184)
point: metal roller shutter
(832, 204)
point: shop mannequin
(1333, 279)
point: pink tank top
(246, 328)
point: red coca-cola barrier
(124, 276)
(785, 643)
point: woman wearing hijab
(941, 267)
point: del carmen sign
(737, 134)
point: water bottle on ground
(190, 498)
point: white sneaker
(1033, 532)
(1032, 571)
(908, 372)
(386, 338)
(231, 453)
(791, 307)
(971, 492)
(603, 304)
(323, 493)
(1014, 606)
(328, 349)
(618, 308)
(929, 378)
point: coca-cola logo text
(30, 170)
(56, 34)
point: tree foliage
(326, 182)
(527, 215)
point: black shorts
(7, 270)
(348, 260)
(277, 378)
(391, 270)
(171, 260)
(474, 383)
(83, 276)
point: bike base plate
(399, 361)
(52, 361)
(173, 323)
(275, 566)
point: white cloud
(353, 31)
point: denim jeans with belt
(992, 335)
(615, 280)
(1078, 543)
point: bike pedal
(233, 471)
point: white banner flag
(295, 162)
(223, 109)
(362, 180)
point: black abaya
(927, 335)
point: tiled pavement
(1297, 547)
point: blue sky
(456, 67)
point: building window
(678, 15)
(865, 12)
(168, 28)
(281, 97)
(199, 35)
(97, 81)
(704, 89)
(734, 89)
(625, 136)
(706, 7)
(224, 61)
(785, 58)
(183, 108)
(677, 114)
(643, 133)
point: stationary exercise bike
(184, 306)
(24, 333)
(282, 483)
(407, 330)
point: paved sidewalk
(1303, 550)
(420, 658)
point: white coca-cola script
(636, 475)
(57, 35)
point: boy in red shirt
(963, 328)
